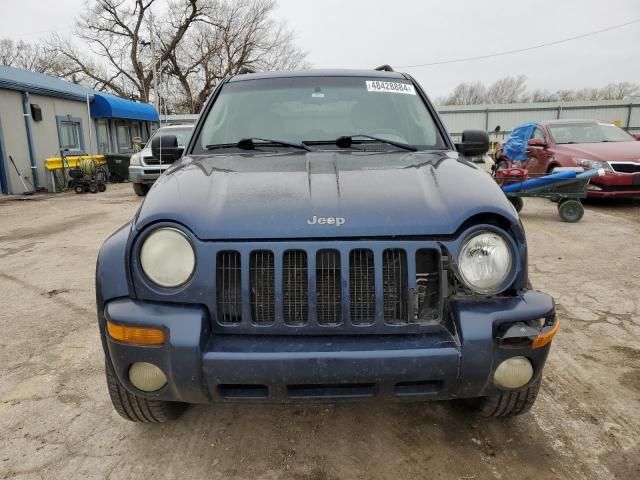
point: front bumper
(146, 174)
(615, 185)
(202, 367)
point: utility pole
(156, 97)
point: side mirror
(474, 143)
(168, 145)
(537, 142)
(636, 136)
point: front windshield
(319, 110)
(183, 134)
(588, 133)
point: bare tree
(508, 90)
(34, 57)
(619, 91)
(117, 34)
(239, 34)
(545, 95)
(198, 42)
(466, 94)
(234, 35)
(514, 90)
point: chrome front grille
(155, 161)
(320, 290)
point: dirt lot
(56, 421)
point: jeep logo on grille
(337, 221)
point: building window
(123, 132)
(70, 134)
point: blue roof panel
(109, 106)
(103, 105)
(34, 82)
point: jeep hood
(276, 196)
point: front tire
(506, 404)
(138, 409)
(141, 189)
(517, 202)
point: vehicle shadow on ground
(354, 440)
(619, 202)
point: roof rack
(384, 68)
(244, 70)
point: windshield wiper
(251, 144)
(347, 140)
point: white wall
(44, 133)
(15, 138)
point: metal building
(458, 118)
(41, 115)
(486, 117)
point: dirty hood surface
(277, 196)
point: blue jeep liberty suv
(321, 238)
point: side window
(70, 134)
(539, 134)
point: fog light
(147, 377)
(514, 372)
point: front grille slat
(228, 287)
(362, 286)
(295, 285)
(395, 288)
(262, 286)
(328, 287)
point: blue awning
(108, 106)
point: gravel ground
(56, 421)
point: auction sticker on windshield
(390, 87)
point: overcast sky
(361, 33)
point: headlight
(589, 164)
(167, 257)
(485, 262)
(135, 159)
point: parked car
(144, 169)
(321, 238)
(582, 143)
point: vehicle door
(538, 156)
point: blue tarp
(108, 106)
(515, 148)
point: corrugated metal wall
(487, 117)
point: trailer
(566, 186)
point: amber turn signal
(136, 335)
(544, 338)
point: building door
(123, 135)
(104, 140)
